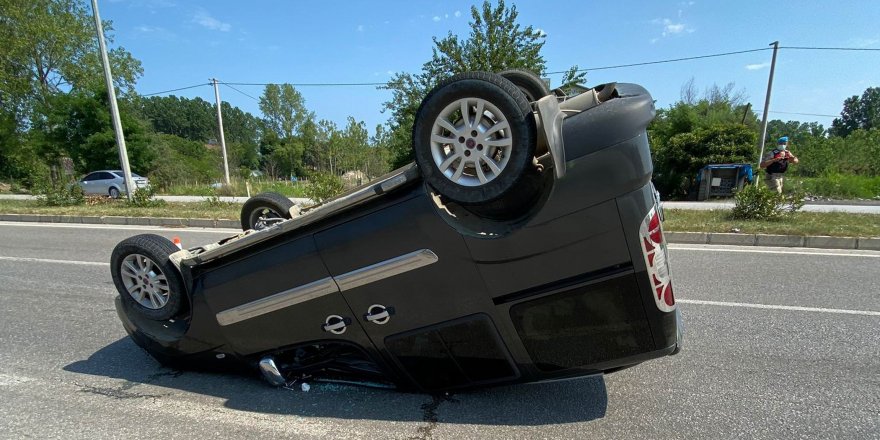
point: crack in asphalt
(120, 392)
(429, 415)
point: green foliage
(284, 110)
(192, 119)
(857, 154)
(682, 155)
(77, 125)
(858, 113)
(178, 160)
(836, 185)
(497, 42)
(144, 198)
(323, 186)
(757, 202)
(58, 193)
(49, 47)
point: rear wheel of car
(114, 193)
(474, 137)
(148, 282)
(264, 210)
(528, 82)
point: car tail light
(653, 246)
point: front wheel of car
(148, 282)
(264, 210)
(474, 137)
(114, 193)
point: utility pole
(220, 127)
(114, 108)
(775, 45)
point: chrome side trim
(277, 301)
(386, 269)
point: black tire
(528, 82)
(267, 205)
(157, 249)
(514, 108)
(113, 193)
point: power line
(831, 48)
(804, 114)
(239, 91)
(310, 84)
(672, 60)
(176, 90)
(617, 66)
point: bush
(323, 186)
(52, 193)
(834, 185)
(678, 160)
(143, 198)
(757, 202)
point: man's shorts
(774, 181)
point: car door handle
(379, 314)
(335, 324)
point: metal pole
(775, 45)
(220, 127)
(114, 109)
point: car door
(409, 279)
(268, 298)
(87, 183)
(104, 182)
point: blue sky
(186, 42)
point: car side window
(90, 177)
(105, 176)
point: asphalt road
(779, 343)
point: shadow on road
(532, 404)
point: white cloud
(864, 42)
(206, 20)
(436, 18)
(360, 28)
(654, 40)
(155, 32)
(457, 14)
(446, 16)
(541, 32)
(758, 66)
(671, 28)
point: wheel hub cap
(144, 281)
(471, 142)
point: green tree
(284, 109)
(677, 163)
(192, 119)
(497, 42)
(797, 132)
(49, 47)
(858, 113)
(77, 125)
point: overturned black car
(524, 244)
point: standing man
(776, 164)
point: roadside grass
(836, 186)
(236, 188)
(200, 210)
(838, 224)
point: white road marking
(778, 307)
(746, 249)
(117, 227)
(46, 260)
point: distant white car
(109, 182)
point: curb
(810, 241)
(114, 220)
